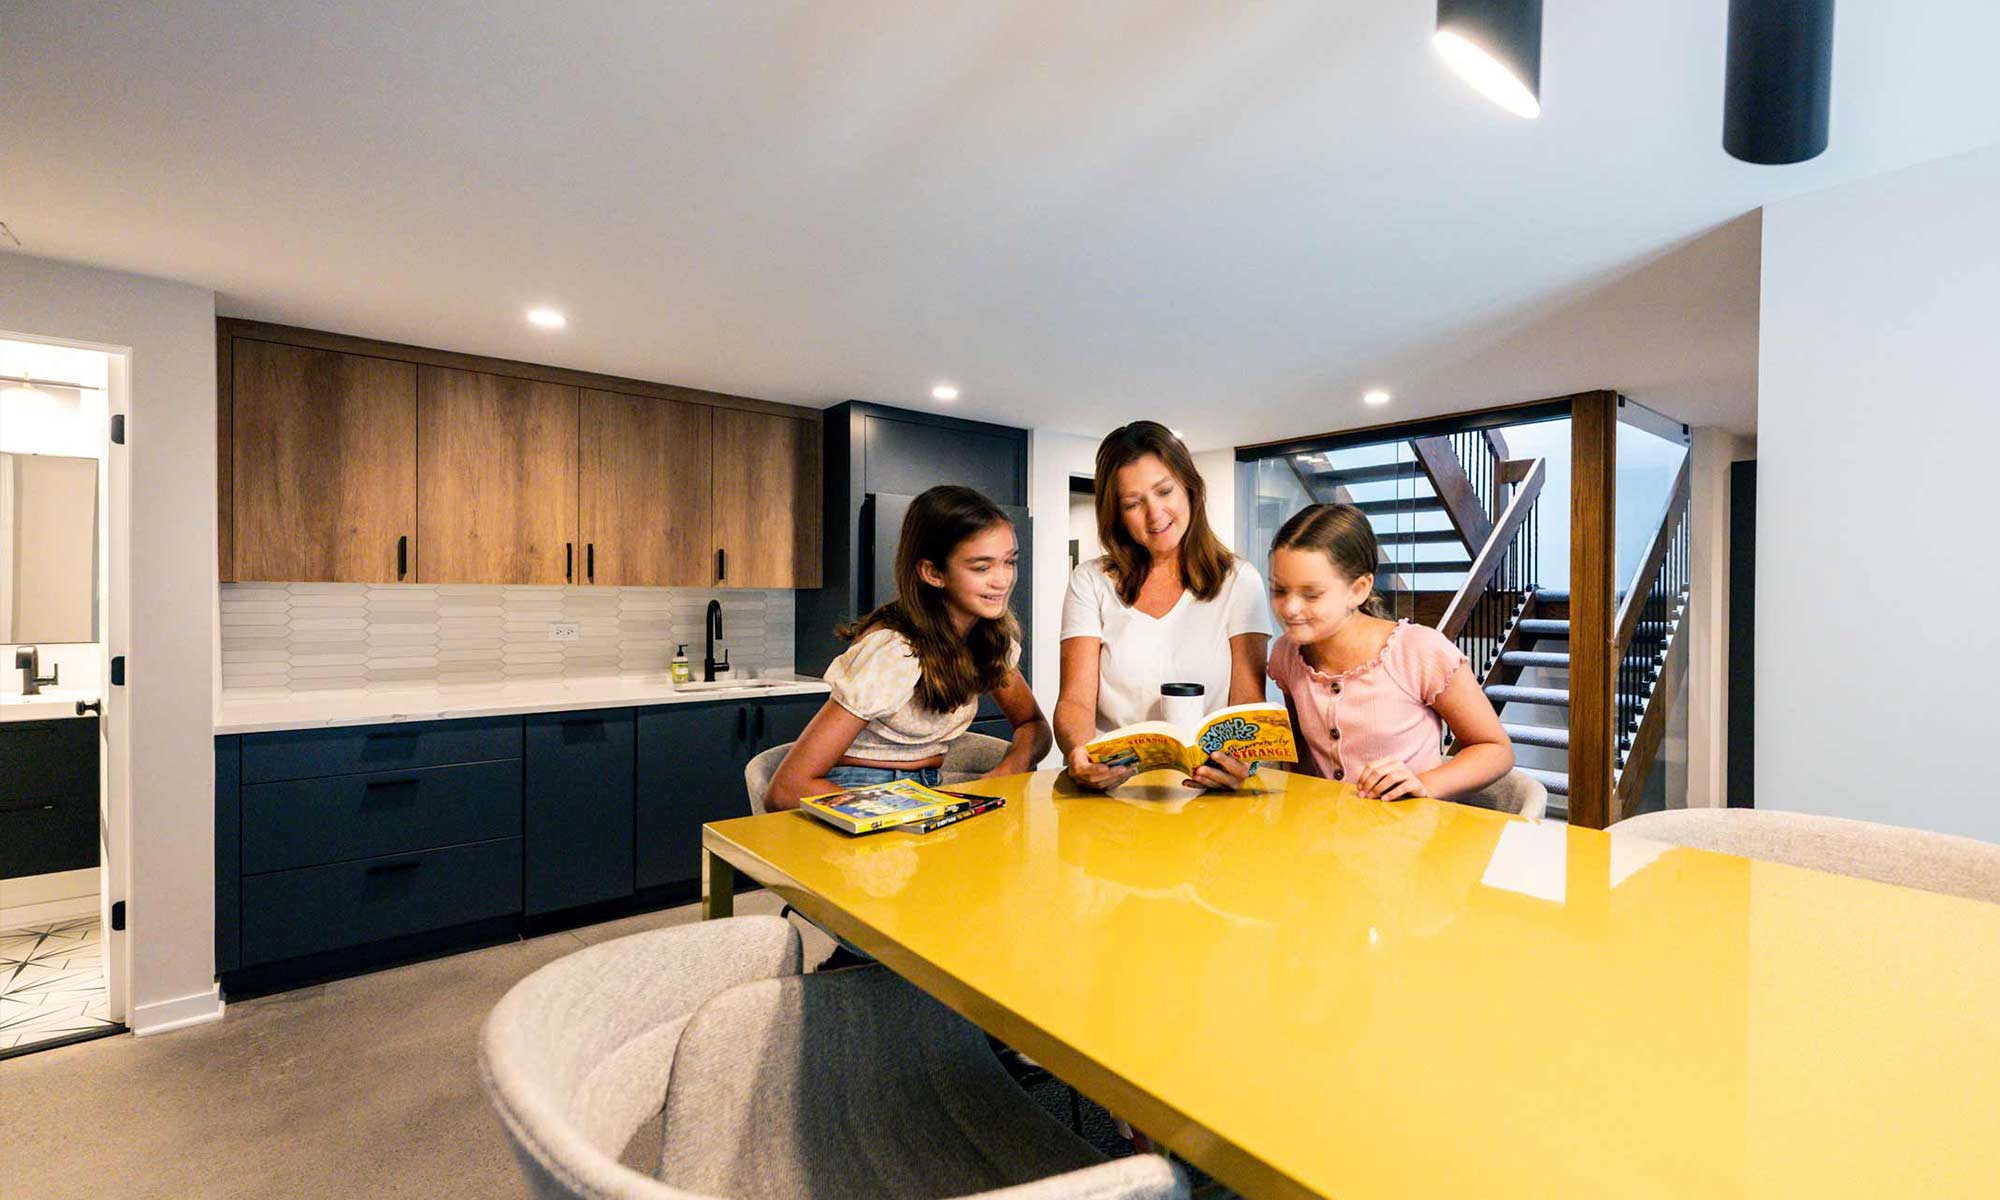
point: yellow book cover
(1260, 732)
(898, 802)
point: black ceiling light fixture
(1496, 46)
(1779, 85)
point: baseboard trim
(15, 916)
(165, 1016)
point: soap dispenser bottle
(682, 672)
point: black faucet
(712, 630)
(29, 660)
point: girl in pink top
(1370, 697)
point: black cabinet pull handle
(569, 560)
(376, 784)
(590, 561)
(405, 864)
(29, 806)
(742, 724)
(395, 734)
(85, 707)
(403, 556)
(760, 723)
(721, 565)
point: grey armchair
(1913, 858)
(763, 1075)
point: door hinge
(118, 916)
(117, 670)
(117, 429)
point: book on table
(1250, 733)
(898, 804)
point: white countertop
(384, 706)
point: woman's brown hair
(1205, 561)
(1343, 534)
(954, 668)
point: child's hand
(1389, 779)
(1219, 773)
(1095, 775)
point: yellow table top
(1308, 993)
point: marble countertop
(313, 710)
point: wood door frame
(1593, 549)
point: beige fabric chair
(773, 1084)
(969, 756)
(1515, 792)
(1914, 858)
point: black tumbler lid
(1182, 689)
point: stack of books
(899, 804)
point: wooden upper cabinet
(643, 500)
(322, 462)
(496, 471)
(766, 500)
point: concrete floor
(362, 1087)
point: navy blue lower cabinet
(306, 822)
(690, 772)
(579, 812)
(48, 796)
(779, 721)
(308, 753)
(287, 914)
(228, 854)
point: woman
(911, 681)
(1167, 603)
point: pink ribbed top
(1380, 709)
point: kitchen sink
(734, 685)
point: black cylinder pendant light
(1779, 86)
(1496, 46)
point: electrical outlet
(564, 631)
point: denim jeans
(863, 777)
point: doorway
(63, 959)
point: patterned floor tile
(51, 982)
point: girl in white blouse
(912, 679)
(1168, 603)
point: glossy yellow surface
(1309, 993)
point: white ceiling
(1231, 216)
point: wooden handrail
(1634, 603)
(1492, 552)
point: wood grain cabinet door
(643, 491)
(496, 479)
(323, 465)
(766, 501)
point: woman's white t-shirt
(1139, 653)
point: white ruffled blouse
(876, 680)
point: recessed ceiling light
(945, 391)
(547, 318)
(1496, 46)
(1376, 397)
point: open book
(1260, 732)
(900, 803)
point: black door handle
(84, 707)
(403, 556)
(569, 560)
(377, 784)
(760, 725)
(590, 561)
(721, 565)
(742, 724)
(407, 864)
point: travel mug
(1183, 705)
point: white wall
(164, 762)
(1052, 459)
(1876, 562)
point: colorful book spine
(984, 805)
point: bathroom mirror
(48, 549)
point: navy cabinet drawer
(42, 760)
(306, 753)
(290, 913)
(307, 822)
(40, 835)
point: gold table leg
(718, 886)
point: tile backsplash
(283, 638)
